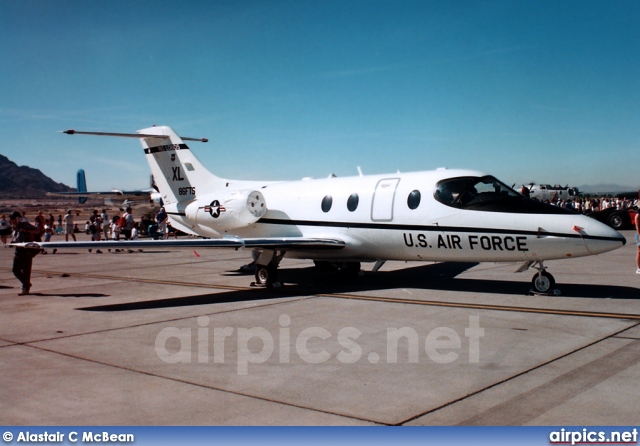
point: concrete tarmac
(179, 338)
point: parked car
(617, 219)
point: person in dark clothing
(24, 232)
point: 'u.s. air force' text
(472, 242)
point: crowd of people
(588, 205)
(17, 228)
(100, 226)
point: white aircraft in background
(442, 215)
(143, 200)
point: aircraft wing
(275, 243)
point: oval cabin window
(414, 199)
(352, 202)
(326, 203)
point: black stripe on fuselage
(400, 227)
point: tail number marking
(186, 190)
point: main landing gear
(267, 269)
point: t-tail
(178, 174)
(196, 200)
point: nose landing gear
(543, 282)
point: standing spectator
(40, 223)
(105, 224)
(94, 230)
(96, 223)
(115, 228)
(24, 232)
(587, 206)
(69, 227)
(135, 231)
(161, 219)
(128, 224)
(48, 230)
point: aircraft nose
(597, 236)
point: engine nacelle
(227, 210)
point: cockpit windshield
(488, 194)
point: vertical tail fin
(177, 172)
(81, 184)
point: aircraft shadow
(187, 301)
(69, 294)
(442, 277)
(437, 277)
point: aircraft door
(382, 205)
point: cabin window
(413, 201)
(352, 202)
(327, 201)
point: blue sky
(545, 91)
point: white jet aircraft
(442, 215)
(143, 200)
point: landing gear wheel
(266, 275)
(543, 282)
(616, 220)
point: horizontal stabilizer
(128, 135)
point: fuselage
(405, 216)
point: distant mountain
(606, 189)
(25, 182)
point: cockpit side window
(488, 194)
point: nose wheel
(543, 282)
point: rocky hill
(25, 182)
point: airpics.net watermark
(257, 345)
